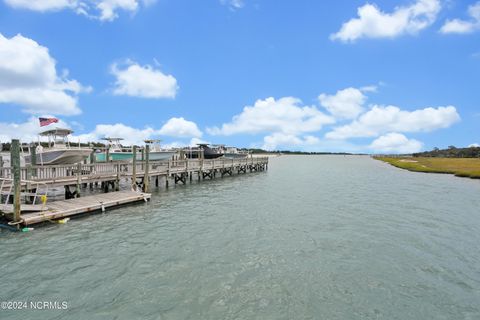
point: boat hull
(53, 157)
(114, 156)
(195, 155)
(160, 155)
(128, 156)
(212, 156)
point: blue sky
(388, 76)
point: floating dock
(23, 190)
(66, 208)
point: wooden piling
(146, 180)
(117, 179)
(79, 179)
(15, 164)
(134, 169)
(93, 158)
(33, 154)
(33, 158)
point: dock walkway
(65, 208)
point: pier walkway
(33, 183)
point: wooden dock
(71, 175)
(66, 208)
(22, 184)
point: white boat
(157, 152)
(58, 150)
(116, 152)
(234, 153)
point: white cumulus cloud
(135, 80)
(26, 131)
(373, 23)
(474, 145)
(43, 5)
(278, 139)
(104, 10)
(119, 130)
(174, 127)
(179, 127)
(464, 26)
(395, 143)
(286, 122)
(383, 119)
(286, 115)
(182, 144)
(28, 78)
(345, 104)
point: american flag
(47, 121)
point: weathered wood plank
(8, 208)
(66, 208)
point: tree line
(451, 152)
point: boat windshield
(114, 144)
(154, 145)
(57, 138)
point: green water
(320, 237)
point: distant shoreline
(300, 153)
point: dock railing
(32, 190)
(61, 174)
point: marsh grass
(461, 167)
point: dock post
(168, 174)
(200, 173)
(146, 180)
(15, 163)
(134, 169)
(27, 183)
(33, 157)
(93, 159)
(117, 178)
(107, 155)
(79, 178)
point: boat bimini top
(57, 137)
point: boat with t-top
(58, 149)
(117, 152)
(234, 153)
